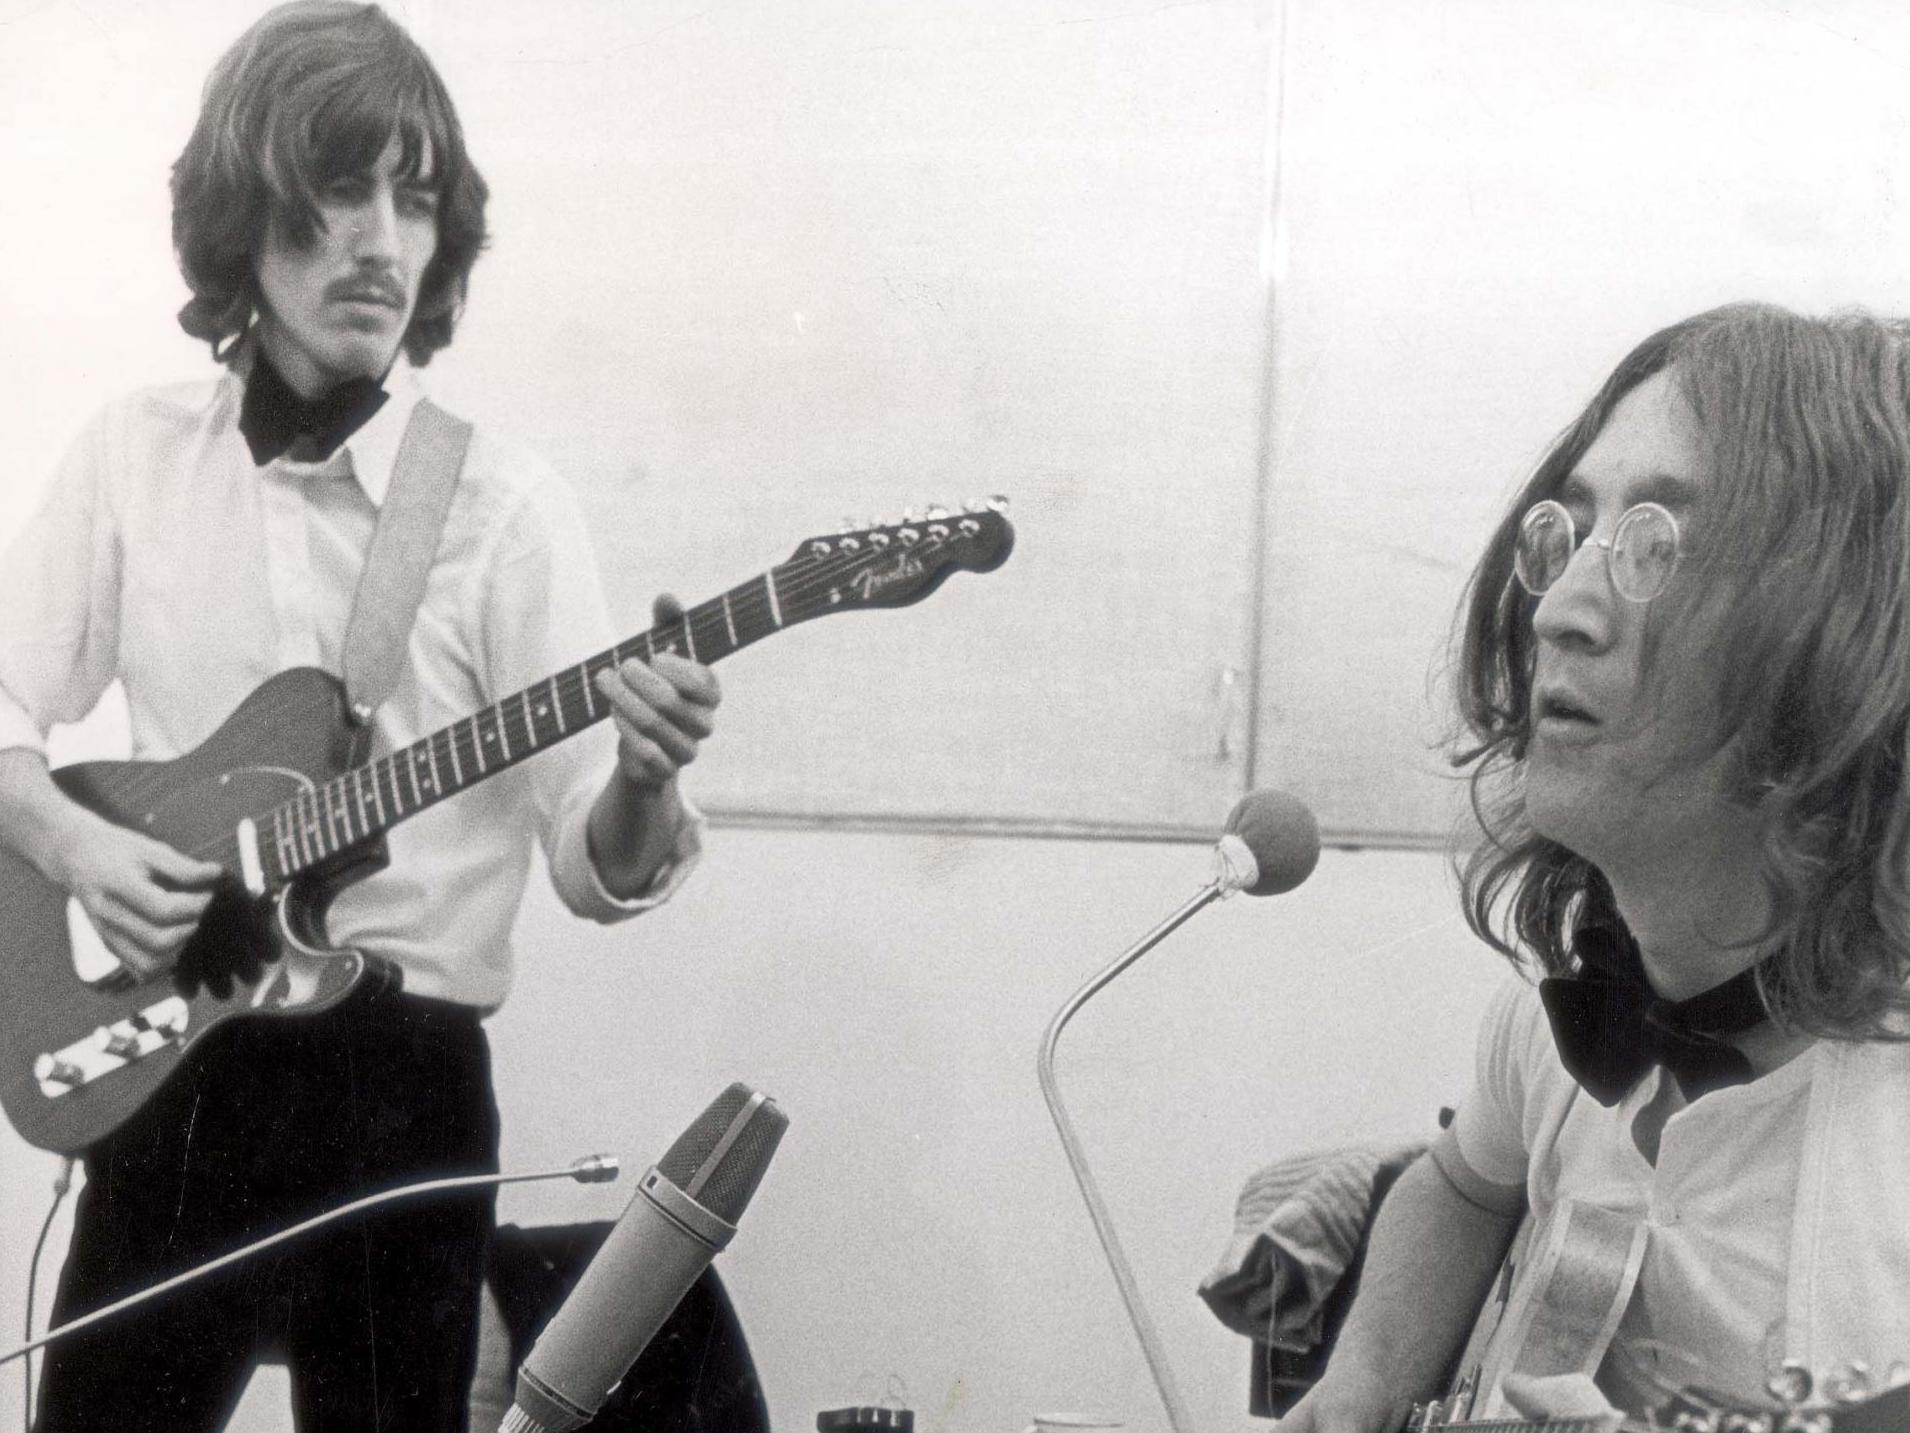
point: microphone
(1270, 846)
(683, 1214)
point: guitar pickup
(112, 1047)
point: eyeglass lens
(1640, 555)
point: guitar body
(120, 1038)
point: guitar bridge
(111, 1047)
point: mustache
(369, 288)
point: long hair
(313, 92)
(1805, 426)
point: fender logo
(871, 581)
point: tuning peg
(819, 548)
(909, 536)
(936, 512)
(998, 503)
(878, 540)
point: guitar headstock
(1847, 1404)
(893, 564)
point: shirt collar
(372, 451)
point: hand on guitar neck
(145, 898)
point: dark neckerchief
(275, 420)
(1610, 1028)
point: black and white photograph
(955, 716)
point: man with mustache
(1686, 680)
(198, 539)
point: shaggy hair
(312, 93)
(1806, 427)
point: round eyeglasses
(1640, 554)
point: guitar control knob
(1849, 1384)
(1791, 1385)
(116, 1042)
(52, 1070)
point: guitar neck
(366, 801)
(876, 567)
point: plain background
(1258, 313)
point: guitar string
(462, 740)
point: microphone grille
(1282, 835)
(719, 1160)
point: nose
(375, 228)
(1579, 609)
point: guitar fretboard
(368, 800)
(877, 567)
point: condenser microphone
(683, 1214)
(1271, 845)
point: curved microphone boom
(1270, 846)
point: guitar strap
(404, 544)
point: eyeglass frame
(1607, 543)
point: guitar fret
(557, 705)
(775, 607)
(282, 841)
(335, 790)
(451, 745)
(477, 743)
(377, 798)
(503, 736)
(729, 621)
(313, 838)
(397, 796)
(590, 690)
(431, 760)
(689, 638)
(358, 790)
(530, 727)
(411, 775)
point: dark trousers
(271, 1121)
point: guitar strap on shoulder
(404, 544)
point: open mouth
(1559, 711)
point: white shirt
(163, 557)
(1709, 1306)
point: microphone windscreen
(1282, 835)
(719, 1160)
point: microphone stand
(1237, 870)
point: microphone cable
(592, 1169)
(62, 1182)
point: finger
(654, 746)
(139, 947)
(163, 908)
(655, 706)
(180, 871)
(692, 681)
(666, 609)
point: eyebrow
(1669, 490)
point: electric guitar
(1697, 1413)
(1560, 1297)
(288, 799)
